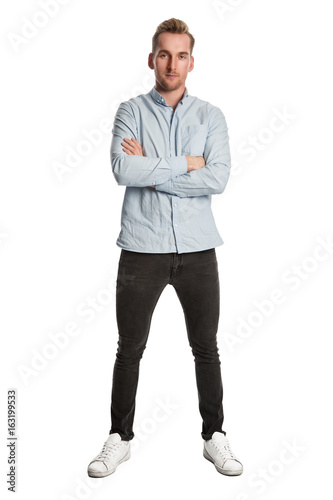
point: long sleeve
(139, 171)
(213, 177)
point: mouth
(171, 76)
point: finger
(128, 151)
(135, 142)
(127, 145)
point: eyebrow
(162, 50)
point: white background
(253, 59)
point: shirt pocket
(193, 139)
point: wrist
(189, 163)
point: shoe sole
(109, 472)
(225, 472)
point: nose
(172, 64)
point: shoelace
(224, 449)
(107, 450)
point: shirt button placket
(172, 153)
(175, 217)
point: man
(171, 151)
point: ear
(151, 61)
(191, 66)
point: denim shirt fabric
(176, 215)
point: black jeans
(141, 279)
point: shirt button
(175, 225)
(174, 204)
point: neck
(172, 97)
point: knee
(205, 352)
(129, 352)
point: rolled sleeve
(165, 186)
(178, 165)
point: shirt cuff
(178, 165)
(165, 186)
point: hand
(195, 162)
(132, 147)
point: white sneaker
(114, 452)
(217, 450)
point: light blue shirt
(176, 215)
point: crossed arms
(132, 147)
(181, 176)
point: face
(172, 61)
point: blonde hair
(172, 26)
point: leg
(140, 282)
(197, 286)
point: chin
(173, 86)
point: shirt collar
(160, 99)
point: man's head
(172, 47)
